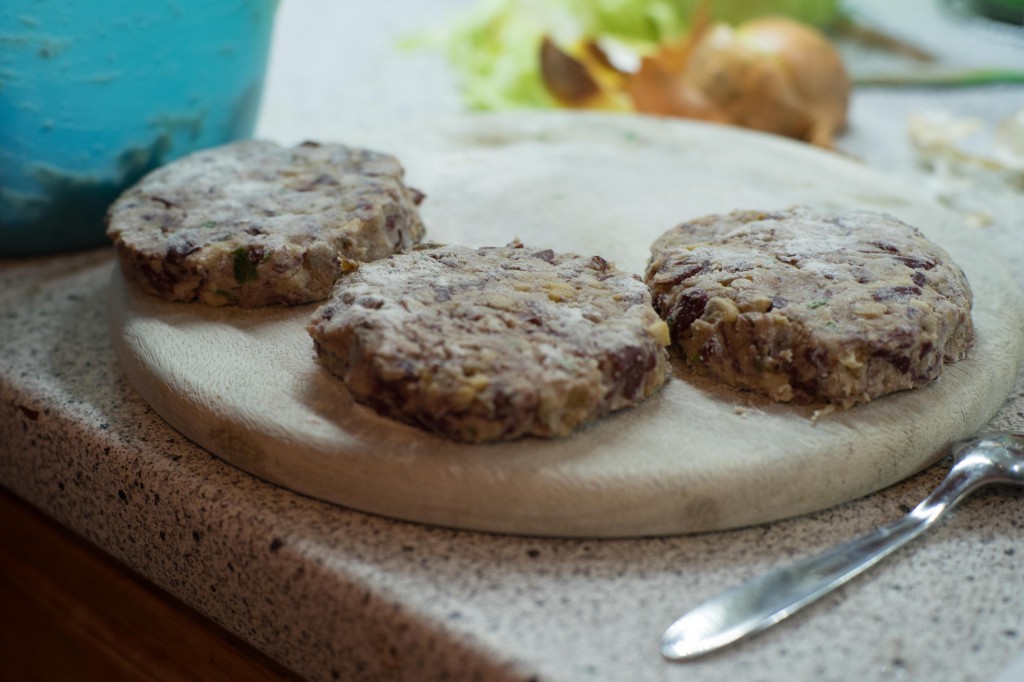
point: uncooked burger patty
(253, 223)
(811, 306)
(492, 343)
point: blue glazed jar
(93, 95)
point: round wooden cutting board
(245, 385)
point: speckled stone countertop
(335, 594)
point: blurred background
(94, 95)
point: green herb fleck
(816, 304)
(209, 223)
(245, 269)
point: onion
(771, 74)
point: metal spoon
(764, 601)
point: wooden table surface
(70, 612)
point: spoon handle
(764, 601)
(767, 599)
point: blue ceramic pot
(93, 95)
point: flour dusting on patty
(253, 223)
(492, 343)
(811, 306)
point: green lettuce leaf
(493, 47)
